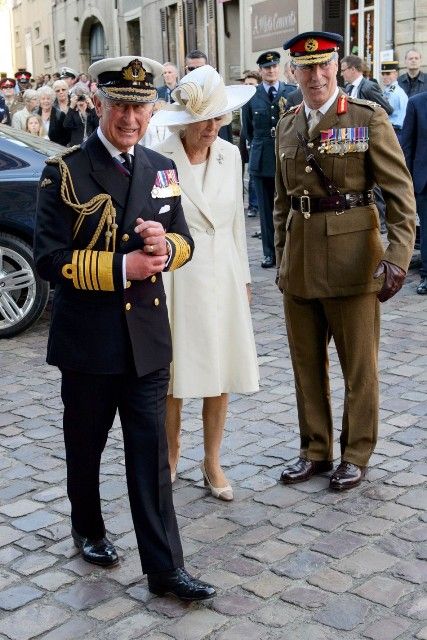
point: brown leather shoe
(346, 476)
(303, 469)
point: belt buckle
(305, 206)
(273, 132)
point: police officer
(394, 94)
(332, 266)
(259, 119)
(109, 221)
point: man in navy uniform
(109, 221)
(259, 119)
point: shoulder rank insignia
(55, 159)
(282, 105)
(45, 182)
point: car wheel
(23, 294)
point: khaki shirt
(335, 253)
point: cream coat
(213, 343)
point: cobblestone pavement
(289, 562)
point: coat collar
(329, 121)
(173, 148)
(262, 93)
(112, 181)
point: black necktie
(127, 162)
(349, 88)
(272, 93)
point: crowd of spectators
(57, 107)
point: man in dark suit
(413, 141)
(414, 80)
(259, 119)
(109, 221)
(170, 77)
(357, 86)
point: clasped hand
(152, 258)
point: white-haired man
(109, 221)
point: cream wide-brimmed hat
(202, 95)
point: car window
(8, 162)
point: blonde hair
(42, 131)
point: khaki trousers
(354, 324)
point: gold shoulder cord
(108, 217)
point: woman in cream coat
(208, 299)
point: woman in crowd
(34, 125)
(208, 299)
(62, 101)
(81, 119)
(52, 117)
(30, 101)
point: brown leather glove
(394, 278)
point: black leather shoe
(256, 234)
(268, 262)
(251, 213)
(422, 287)
(179, 583)
(346, 476)
(303, 469)
(101, 552)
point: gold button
(306, 192)
(308, 169)
(128, 283)
(153, 278)
(125, 237)
(156, 302)
(310, 145)
(282, 155)
(128, 306)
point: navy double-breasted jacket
(259, 120)
(101, 323)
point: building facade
(49, 34)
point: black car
(23, 295)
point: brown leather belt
(337, 202)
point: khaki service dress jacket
(335, 253)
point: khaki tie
(315, 116)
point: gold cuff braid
(181, 250)
(90, 270)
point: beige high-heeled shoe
(222, 493)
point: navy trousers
(264, 188)
(90, 405)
